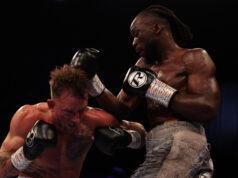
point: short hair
(68, 78)
(180, 31)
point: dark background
(37, 35)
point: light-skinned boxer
(181, 92)
(51, 139)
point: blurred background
(38, 35)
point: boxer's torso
(66, 159)
(172, 72)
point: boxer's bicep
(107, 119)
(200, 68)
(198, 84)
(95, 117)
(206, 89)
(11, 143)
(199, 100)
(19, 127)
(201, 78)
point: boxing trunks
(176, 149)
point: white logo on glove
(30, 139)
(137, 79)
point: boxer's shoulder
(194, 55)
(100, 117)
(97, 112)
(197, 58)
(25, 117)
(141, 63)
(36, 111)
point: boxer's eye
(68, 111)
(82, 110)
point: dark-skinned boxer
(181, 92)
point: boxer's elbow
(210, 108)
(198, 112)
(208, 113)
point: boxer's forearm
(6, 167)
(195, 108)
(35, 170)
(112, 104)
(8, 170)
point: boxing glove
(143, 82)
(87, 59)
(110, 139)
(41, 136)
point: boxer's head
(154, 26)
(68, 78)
(69, 97)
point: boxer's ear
(157, 28)
(51, 103)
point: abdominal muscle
(157, 114)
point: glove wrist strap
(19, 161)
(160, 92)
(136, 139)
(96, 87)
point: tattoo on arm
(3, 160)
(34, 170)
(6, 167)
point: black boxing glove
(87, 59)
(41, 136)
(110, 139)
(143, 82)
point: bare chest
(69, 154)
(172, 73)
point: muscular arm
(119, 106)
(123, 104)
(199, 101)
(6, 167)
(15, 139)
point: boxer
(181, 93)
(52, 138)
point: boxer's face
(144, 37)
(68, 112)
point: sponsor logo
(137, 79)
(30, 139)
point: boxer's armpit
(35, 170)
(6, 168)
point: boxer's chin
(65, 128)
